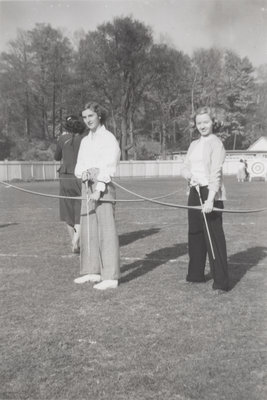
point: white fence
(33, 170)
(47, 170)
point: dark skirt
(69, 209)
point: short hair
(212, 114)
(95, 107)
(74, 124)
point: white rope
(151, 200)
(188, 207)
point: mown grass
(155, 337)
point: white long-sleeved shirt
(101, 150)
(213, 158)
(198, 170)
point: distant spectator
(241, 172)
(246, 170)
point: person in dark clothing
(67, 151)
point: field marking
(31, 208)
(37, 255)
(14, 255)
(153, 225)
(182, 259)
(152, 259)
(239, 223)
(123, 258)
(142, 208)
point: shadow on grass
(152, 261)
(243, 262)
(130, 237)
(8, 224)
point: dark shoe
(195, 280)
(208, 276)
(221, 289)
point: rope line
(143, 198)
(56, 196)
(187, 207)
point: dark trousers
(199, 246)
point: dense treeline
(149, 90)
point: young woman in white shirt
(97, 161)
(203, 169)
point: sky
(240, 25)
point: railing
(47, 170)
(28, 170)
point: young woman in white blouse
(203, 169)
(97, 161)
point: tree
(52, 55)
(16, 83)
(206, 78)
(238, 94)
(221, 79)
(259, 127)
(147, 89)
(168, 90)
(34, 79)
(115, 57)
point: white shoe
(107, 284)
(76, 249)
(76, 246)
(88, 278)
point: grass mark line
(38, 255)
(139, 208)
(152, 259)
(172, 260)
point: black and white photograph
(133, 199)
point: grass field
(155, 337)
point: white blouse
(101, 150)
(197, 165)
